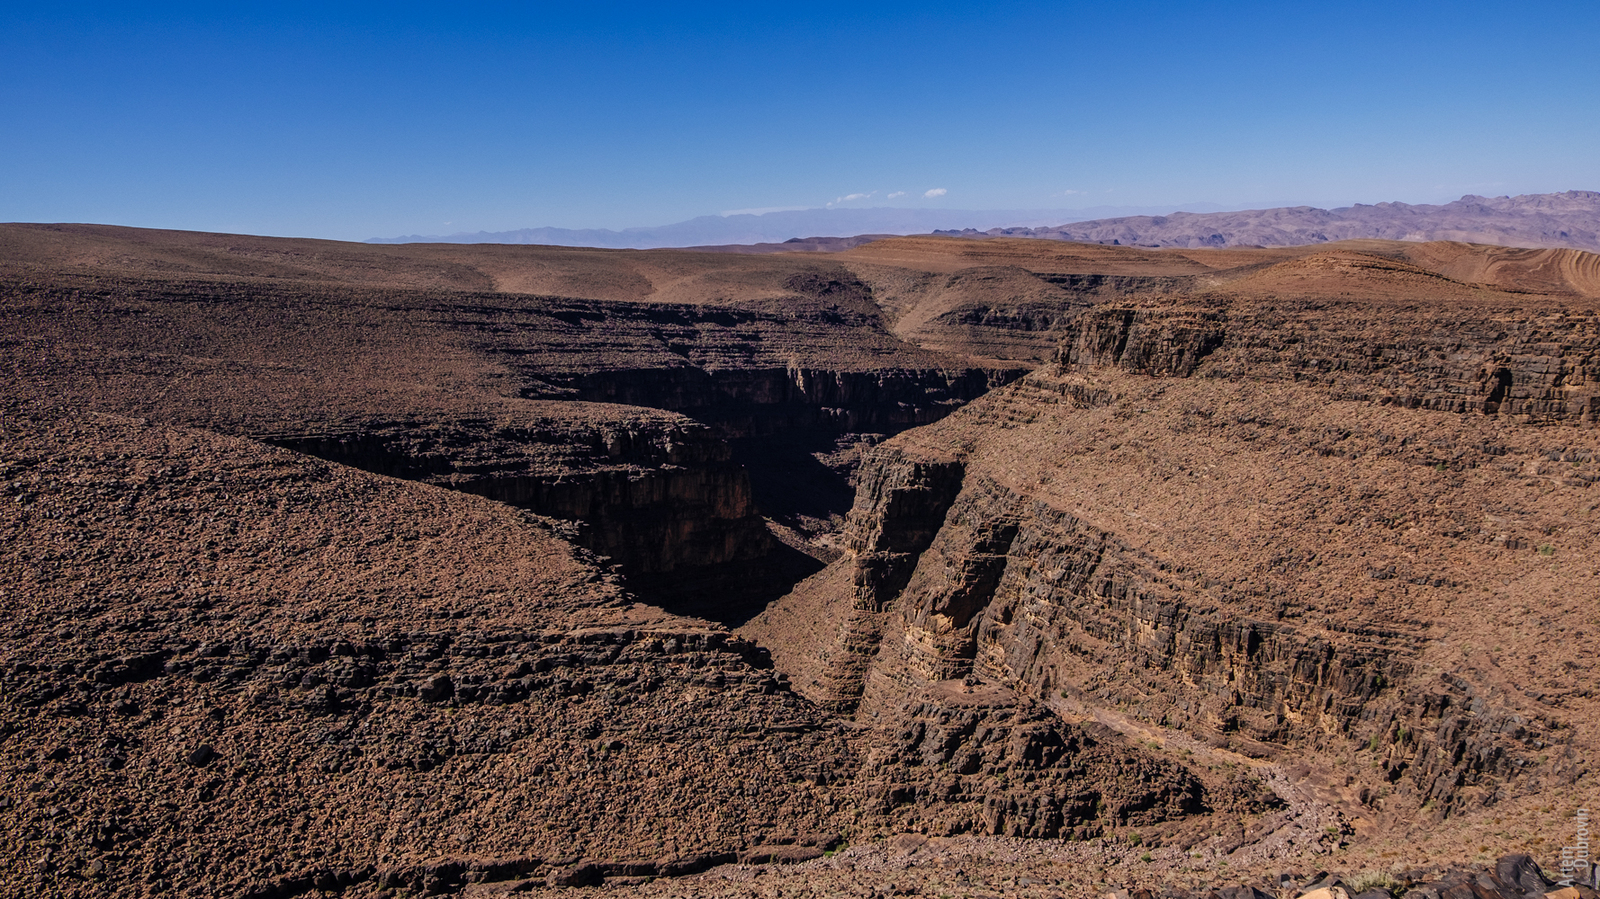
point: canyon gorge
(1022, 566)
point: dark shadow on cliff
(733, 593)
(803, 481)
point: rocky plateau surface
(926, 567)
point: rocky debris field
(420, 676)
(928, 567)
(913, 865)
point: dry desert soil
(916, 567)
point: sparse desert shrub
(1374, 880)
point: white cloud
(850, 197)
(898, 193)
(1068, 193)
(936, 192)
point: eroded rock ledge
(1539, 366)
(968, 563)
(654, 492)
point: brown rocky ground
(232, 670)
(382, 569)
(1331, 522)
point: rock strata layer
(1342, 527)
(341, 569)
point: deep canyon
(959, 565)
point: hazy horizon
(975, 217)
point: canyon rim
(922, 565)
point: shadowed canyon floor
(927, 567)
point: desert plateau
(944, 566)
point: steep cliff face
(1542, 365)
(899, 508)
(952, 756)
(1143, 533)
(656, 493)
(766, 402)
(1017, 593)
(792, 382)
(348, 681)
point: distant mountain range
(776, 227)
(1570, 219)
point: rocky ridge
(1288, 528)
(354, 683)
(1273, 560)
(1568, 219)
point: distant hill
(777, 227)
(1569, 219)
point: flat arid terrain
(920, 566)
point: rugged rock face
(1540, 367)
(655, 493)
(214, 687)
(783, 401)
(899, 508)
(1288, 528)
(959, 757)
(1288, 553)
(1016, 593)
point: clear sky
(353, 121)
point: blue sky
(354, 121)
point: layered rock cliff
(1328, 528)
(247, 667)
(562, 406)
(654, 492)
(1540, 366)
